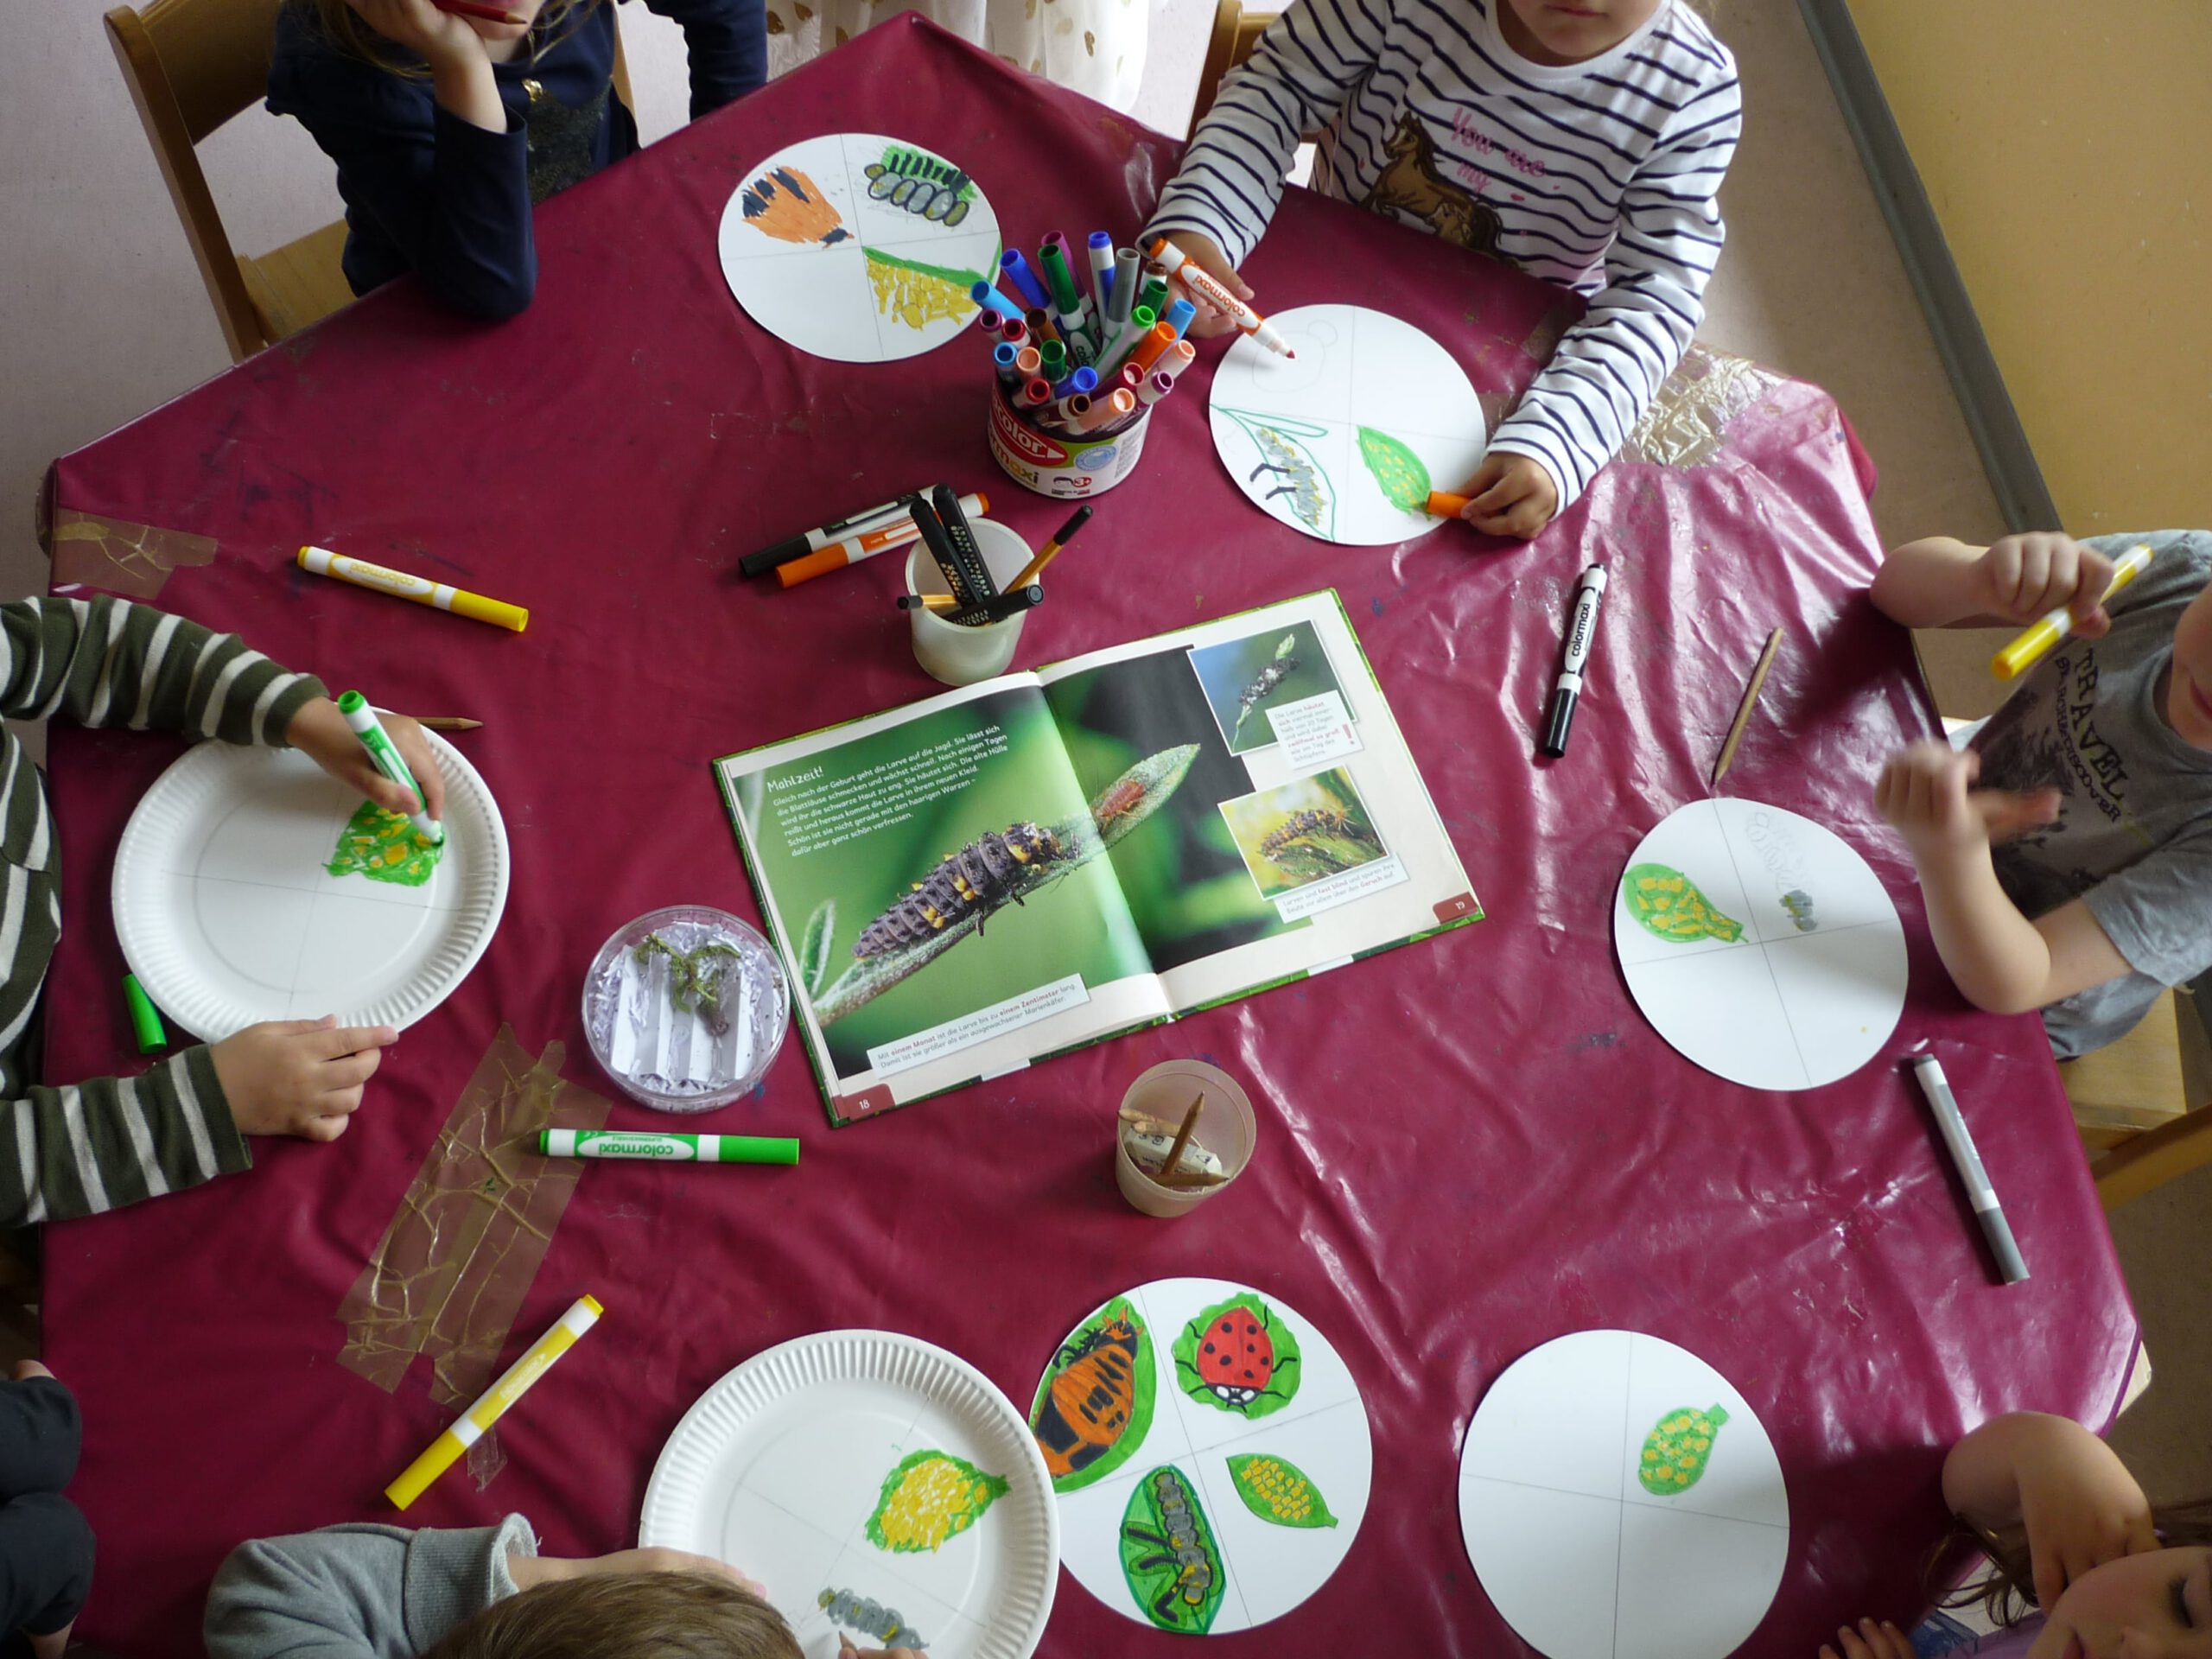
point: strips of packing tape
(451, 1270)
(131, 560)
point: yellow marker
(437, 595)
(470, 1425)
(2025, 652)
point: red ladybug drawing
(1234, 1357)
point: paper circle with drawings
(1210, 1452)
(1345, 440)
(1759, 944)
(874, 1484)
(1619, 1500)
(859, 247)
(238, 897)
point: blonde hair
(340, 25)
(632, 1615)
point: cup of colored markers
(1074, 390)
(1212, 1154)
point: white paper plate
(228, 915)
(1811, 986)
(778, 1466)
(1574, 1552)
(1290, 430)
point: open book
(1020, 867)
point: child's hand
(845, 1646)
(1924, 793)
(298, 1077)
(433, 35)
(2022, 577)
(1868, 1640)
(2081, 1508)
(1206, 255)
(1509, 495)
(321, 733)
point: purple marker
(1155, 388)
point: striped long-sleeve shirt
(103, 661)
(1599, 176)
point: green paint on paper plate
(1668, 905)
(1677, 1449)
(383, 846)
(1403, 480)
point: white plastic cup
(946, 651)
(1226, 1128)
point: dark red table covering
(1467, 1147)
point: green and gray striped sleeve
(106, 662)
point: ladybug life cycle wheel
(1211, 1453)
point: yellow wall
(2067, 146)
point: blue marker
(1004, 354)
(991, 300)
(1011, 263)
(1101, 268)
(1178, 316)
(1083, 380)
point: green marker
(145, 1024)
(667, 1148)
(366, 726)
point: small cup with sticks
(1184, 1132)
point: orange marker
(1147, 350)
(854, 549)
(1179, 265)
(1442, 504)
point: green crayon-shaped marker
(667, 1148)
(366, 726)
(145, 1024)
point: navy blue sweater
(428, 192)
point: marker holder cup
(949, 651)
(1068, 466)
(1226, 1128)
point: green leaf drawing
(814, 951)
(929, 1497)
(1153, 780)
(1237, 1356)
(383, 846)
(1169, 1556)
(1677, 1449)
(1278, 1490)
(1669, 906)
(1094, 1403)
(1397, 469)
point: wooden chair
(191, 64)
(2145, 1102)
(1236, 31)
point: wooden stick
(1743, 709)
(1183, 1135)
(447, 723)
(1188, 1179)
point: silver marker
(1979, 1193)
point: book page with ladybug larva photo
(1053, 858)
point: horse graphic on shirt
(1410, 184)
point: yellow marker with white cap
(2047, 631)
(399, 584)
(470, 1425)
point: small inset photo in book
(1244, 678)
(1303, 832)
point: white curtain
(1093, 46)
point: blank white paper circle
(822, 264)
(1575, 1555)
(227, 915)
(1810, 989)
(1289, 429)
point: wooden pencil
(1743, 709)
(447, 723)
(1183, 1135)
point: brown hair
(342, 26)
(635, 1615)
(2006, 1593)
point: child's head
(632, 1615)
(2189, 690)
(2157, 1605)
(1572, 31)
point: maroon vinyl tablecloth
(1466, 1148)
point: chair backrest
(1236, 31)
(191, 64)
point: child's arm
(359, 1590)
(2079, 1505)
(1610, 365)
(1297, 77)
(2000, 960)
(453, 195)
(1941, 582)
(728, 43)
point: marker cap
(1557, 722)
(145, 1023)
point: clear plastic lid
(686, 1008)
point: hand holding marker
(2024, 652)
(366, 726)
